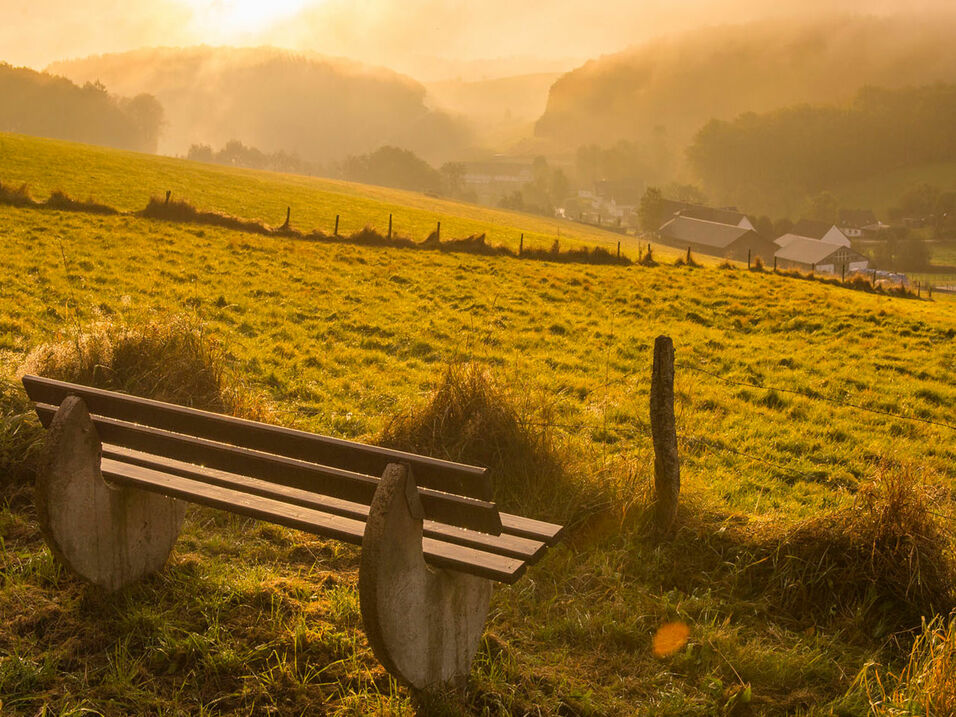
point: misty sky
(429, 39)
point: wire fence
(720, 447)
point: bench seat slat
(509, 545)
(442, 507)
(447, 476)
(437, 553)
(548, 533)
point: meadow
(804, 411)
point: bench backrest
(450, 493)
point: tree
(453, 175)
(764, 227)
(823, 207)
(651, 212)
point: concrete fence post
(664, 432)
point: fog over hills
(318, 107)
(665, 90)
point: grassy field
(126, 180)
(252, 619)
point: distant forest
(321, 109)
(41, 104)
(801, 150)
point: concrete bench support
(109, 536)
(424, 625)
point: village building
(715, 239)
(822, 231)
(727, 215)
(823, 257)
(860, 223)
(852, 221)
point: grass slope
(127, 180)
(249, 618)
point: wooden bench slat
(447, 476)
(548, 533)
(442, 507)
(509, 545)
(437, 553)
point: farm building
(814, 255)
(823, 231)
(852, 221)
(728, 216)
(715, 239)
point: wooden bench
(116, 469)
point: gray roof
(698, 231)
(807, 251)
(811, 228)
(710, 214)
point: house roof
(807, 251)
(699, 231)
(727, 215)
(857, 218)
(710, 214)
(811, 228)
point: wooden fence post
(664, 432)
(389, 226)
(521, 245)
(843, 275)
(288, 216)
(336, 232)
(748, 258)
(438, 232)
(168, 194)
(775, 265)
(619, 250)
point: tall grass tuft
(889, 555)
(20, 435)
(16, 196)
(168, 358)
(927, 683)
(470, 418)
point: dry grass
(473, 419)
(927, 683)
(168, 358)
(20, 435)
(885, 561)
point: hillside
(667, 89)
(320, 108)
(45, 105)
(500, 110)
(772, 162)
(127, 180)
(816, 440)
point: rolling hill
(665, 90)
(320, 108)
(816, 438)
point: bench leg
(424, 625)
(109, 536)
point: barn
(715, 239)
(814, 255)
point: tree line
(802, 150)
(41, 104)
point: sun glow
(224, 18)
